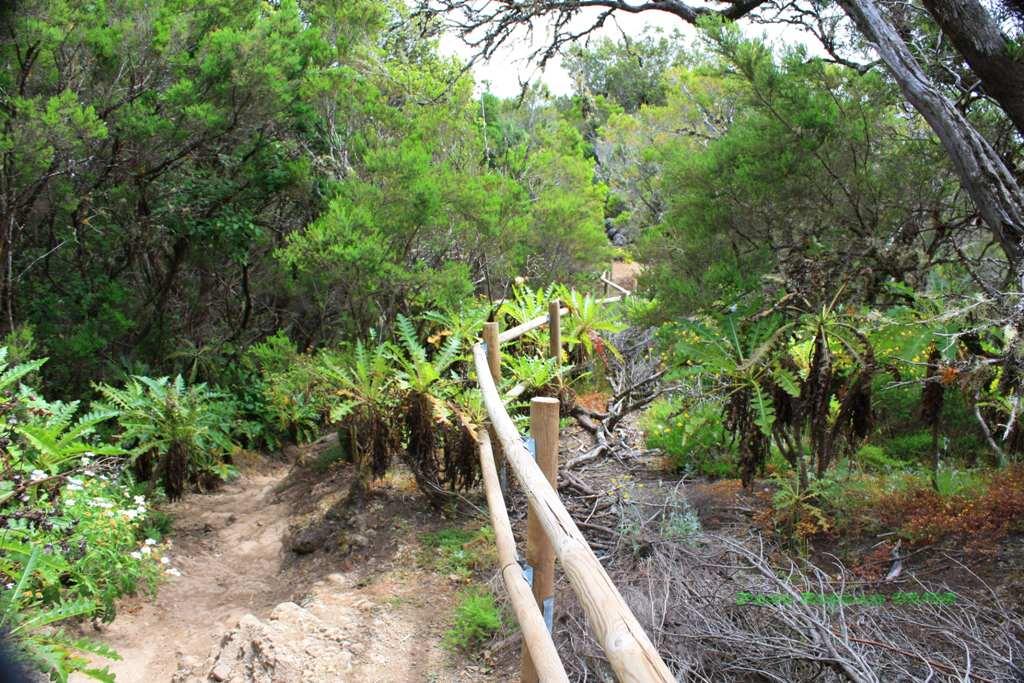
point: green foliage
(588, 326)
(535, 374)
(285, 396)
(460, 552)
(693, 437)
(629, 73)
(873, 458)
(359, 178)
(176, 433)
(30, 622)
(73, 535)
(477, 618)
(365, 381)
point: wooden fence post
(540, 554)
(490, 337)
(555, 331)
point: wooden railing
(551, 531)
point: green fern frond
(11, 376)
(406, 332)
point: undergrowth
(477, 619)
(460, 552)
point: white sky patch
(502, 75)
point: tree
(993, 56)
(991, 185)
(809, 178)
(994, 189)
(630, 72)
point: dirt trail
(227, 546)
(326, 619)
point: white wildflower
(136, 555)
(165, 560)
(150, 541)
(37, 475)
(139, 500)
(173, 572)
(145, 550)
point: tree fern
(174, 421)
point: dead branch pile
(683, 586)
(635, 378)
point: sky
(510, 64)
(504, 71)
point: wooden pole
(493, 350)
(555, 330)
(536, 638)
(491, 339)
(540, 554)
(630, 652)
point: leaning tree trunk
(993, 189)
(977, 36)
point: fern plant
(440, 449)
(175, 433)
(33, 625)
(802, 385)
(464, 322)
(525, 305)
(368, 428)
(589, 326)
(55, 438)
(538, 377)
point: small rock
(230, 520)
(221, 672)
(189, 662)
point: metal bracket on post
(503, 478)
(527, 572)
(549, 613)
(531, 446)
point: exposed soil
(356, 605)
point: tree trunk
(976, 36)
(993, 189)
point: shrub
(71, 526)
(979, 515)
(693, 438)
(477, 619)
(875, 459)
(288, 397)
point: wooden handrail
(522, 328)
(531, 622)
(614, 285)
(631, 654)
